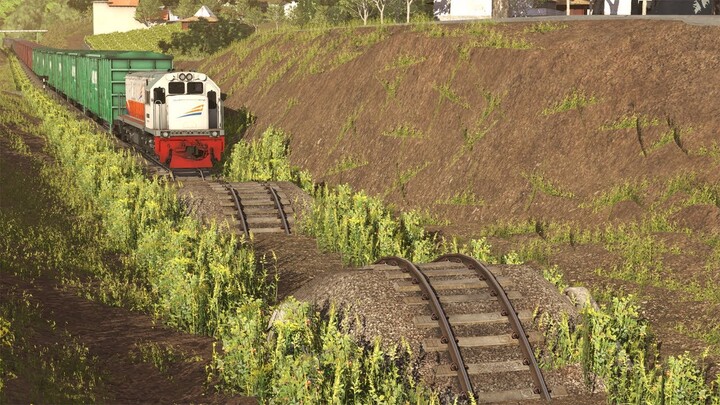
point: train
(177, 116)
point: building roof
(123, 3)
(204, 13)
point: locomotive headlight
(189, 76)
(181, 76)
(165, 134)
(214, 133)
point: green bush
(264, 159)
(204, 38)
(615, 344)
(135, 40)
(312, 357)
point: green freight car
(95, 80)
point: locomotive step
(461, 284)
(469, 319)
(445, 370)
(436, 345)
(448, 299)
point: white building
(617, 7)
(115, 16)
(445, 10)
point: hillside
(589, 145)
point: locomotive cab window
(194, 88)
(176, 88)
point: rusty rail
(236, 200)
(280, 208)
(438, 312)
(518, 330)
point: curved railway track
(256, 207)
(481, 333)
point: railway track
(481, 343)
(257, 207)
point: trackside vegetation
(613, 343)
(202, 281)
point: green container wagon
(112, 67)
(96, 79)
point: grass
(471, 136)
(539, 183)
(349, 126)
(403, 177)
(346, 164)
(712, 151)
(544, 27)
(390, 86)
(404, 61)
(446, 92)
(163, 357)
(50, 365)
(628, 191)
(404, 131)
(463, 198)
(631, 121)
(574, 100)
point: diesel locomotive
(177, 116)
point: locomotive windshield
(176, 88)
(194, 88)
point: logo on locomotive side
(197, 110)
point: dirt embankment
(442, 90)
(496, 124)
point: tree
(276, 14)
(380, 5)
(253, 16)
(360, 8)
(205, 38)
(408, 4)
(148, 11)
(186, 8)
(34, 14)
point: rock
(580, 297)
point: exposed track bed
(481, 334)
(256, 207)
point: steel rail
(438, 312)
(236, 199)
(508, 310)
(280, 208)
